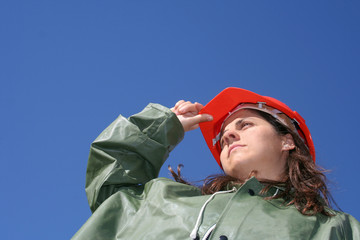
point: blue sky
(69, 68)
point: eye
(240, 125)
(245, 125)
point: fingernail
(209, 118)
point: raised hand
(188, 114)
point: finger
(198, 106)
(201, 118)
(188, 107)
(178, 104)
(176, 107)
(181, 104)
(193, 122)
(173, 110)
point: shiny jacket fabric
(128, 201)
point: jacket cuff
(160, 124)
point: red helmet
(231, 99)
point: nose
(229, 137)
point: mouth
(235, 146)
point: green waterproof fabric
(128, 201)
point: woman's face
(250, 143)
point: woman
(270, 189)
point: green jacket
(128, 201)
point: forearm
(131, 151)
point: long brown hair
(304, 182)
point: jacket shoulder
(339, 226)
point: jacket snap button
(251, 192)
(223, 237)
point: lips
(234, 146)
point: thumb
(193, 122)
(201, 118)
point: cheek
(222, 156)
(264, 141)
(225, 161)
(271, 142)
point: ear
(287, 142)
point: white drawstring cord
(277, 190)
(193, 233)
(207, 234)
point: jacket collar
(254, 184)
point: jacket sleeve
(130, 152)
